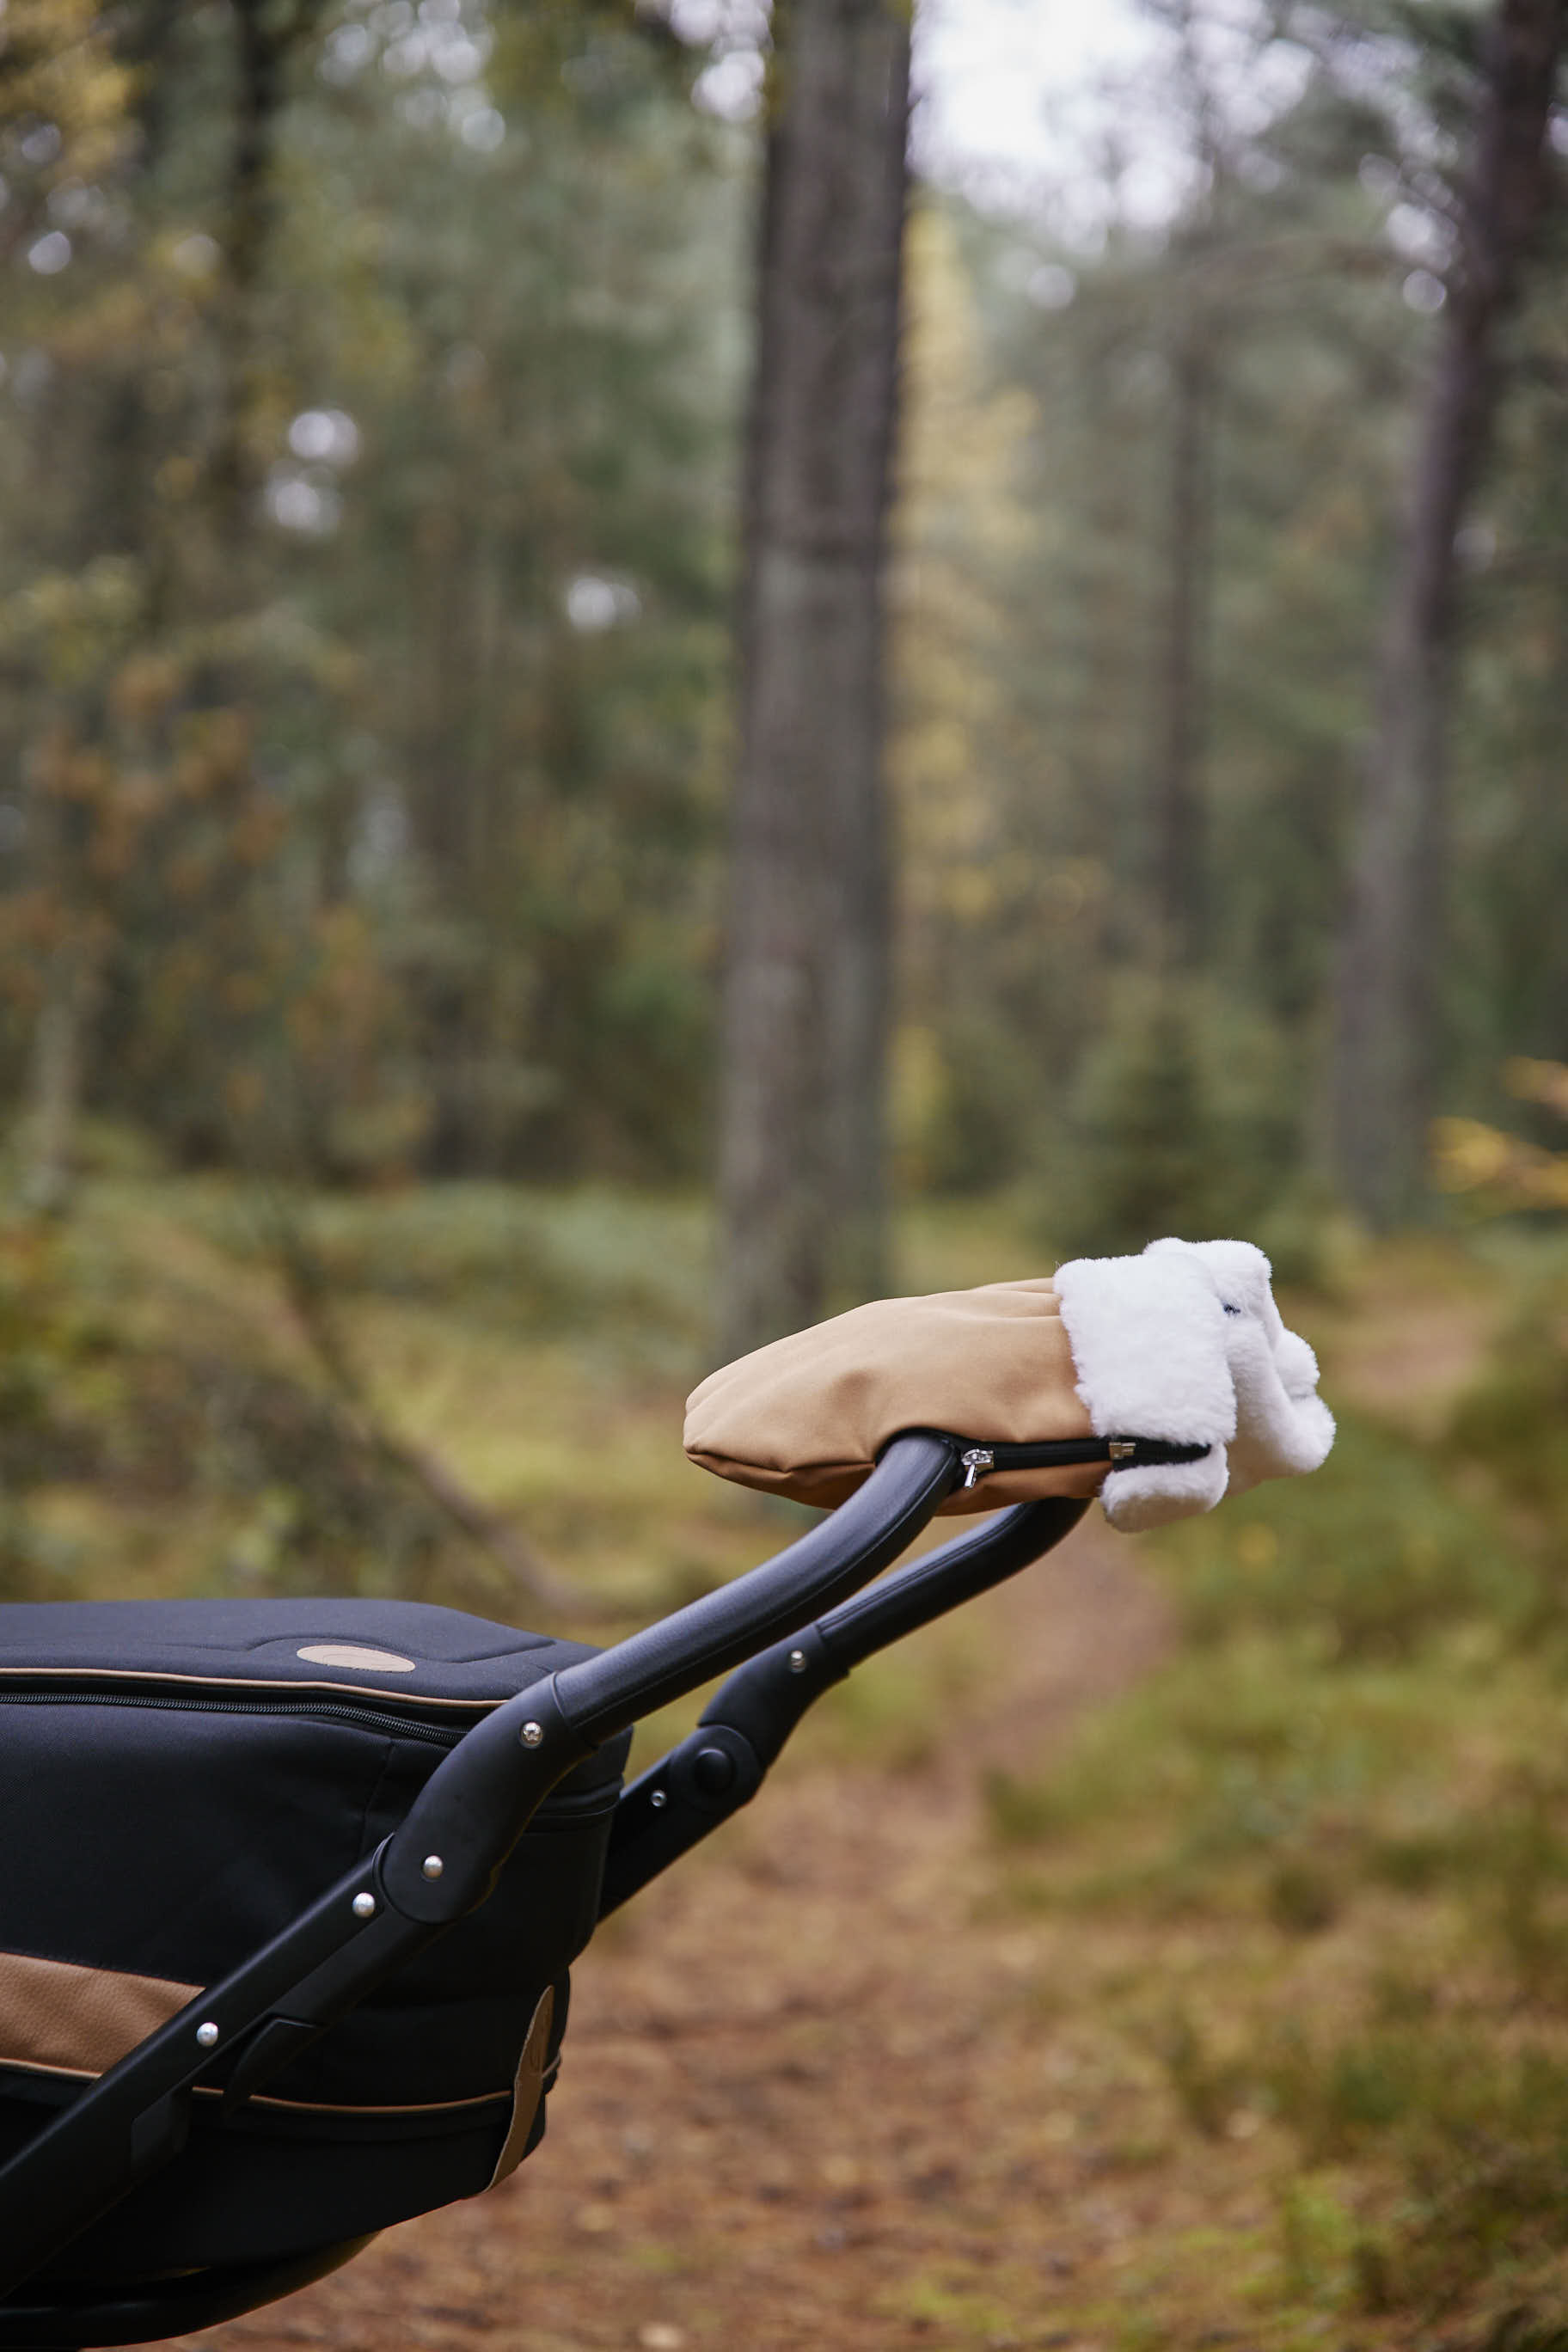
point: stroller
(313, 1979)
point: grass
(1363, 1563)
(152, 1360)
(1353, 1767)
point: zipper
(356, 1718)
(1060, 1452)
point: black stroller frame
(792, 1628)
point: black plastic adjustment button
(713, 1770)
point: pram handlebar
(135, 2117)
(941, 1581)
(721, 1764)
(603, 1695)
(475, 1806)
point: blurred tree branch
(311, 1294)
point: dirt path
(810, 2095)
(1413, 1337)
(829, 2086)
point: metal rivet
(797, 1662)
(364, 1907)
(432, 1866)
(206, 2034)
(658, 1798)
(532, 1733)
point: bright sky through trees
(1061, 107)
(1010, 92)
(994, 75)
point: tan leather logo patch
(354, 1654)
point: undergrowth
(1354, 1765)
(584, 1262)
(123, 1411)
(483, 1364)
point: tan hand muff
(808, 1416)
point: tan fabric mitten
(808, 1415)
(1155, 1380)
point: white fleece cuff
(1186, 1344)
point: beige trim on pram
(533, 2073)
(407, 1700)
(60, 2019)
(57, 2018)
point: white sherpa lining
(1148, 1344)
(1185, 1343)
(1283, 1426)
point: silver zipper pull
(1124, 1449)
(978, 1459)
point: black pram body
(176, 1780)
(292, 1889)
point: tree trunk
(802, 1156)
(1388, 1026)
(268, 34)
(55, 1078)
(1176, 831)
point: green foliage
(1513, 1421)
(1369, 1560)
(1391, 2083)
(1317, 2238)
(1151, 1158)
(1347, 1781)
(1208, 2088)
(1236, 1782)
(1450, 2067)
(1480, 2130)
(1185, 1121)
(1042, 896)
(417, 475)
(580, 1262)
(177, 1415)
(397, 491)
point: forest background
(372, 449)
(378, 388)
